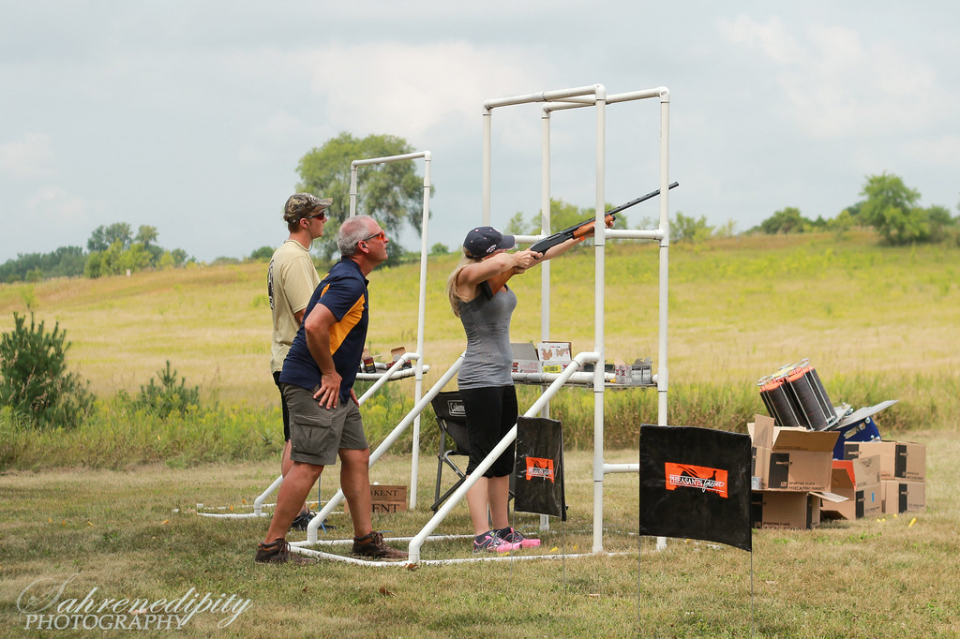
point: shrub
(34, 380)
(169, 396)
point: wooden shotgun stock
(581, 231)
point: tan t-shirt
(291, 280)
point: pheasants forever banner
(539, 467)
(695, 484)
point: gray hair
(352, 231)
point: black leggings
(491, 413)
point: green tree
(690, 229)
(891, 208)
(517, 226)
(788, 220)
(146, 235)
(104, 236)
(439, 249)
(391, 193)
(940, 221)
(262, 254)
(34, 379)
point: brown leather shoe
(372, 546)
(278, 552)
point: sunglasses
(322, 215)
(382, 235)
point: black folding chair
(454, 440)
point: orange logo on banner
(699, 478)
(540, 468)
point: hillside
(740, 308)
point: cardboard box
(385, 498)
(859, 481)
(859, 427)
(782, 510)
(903, 496)
(799, 459)
(399, 352)
(898, 460)
(554, 356)
(525, 358)
(762, 440)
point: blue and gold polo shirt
(344, 292)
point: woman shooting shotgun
(479, 296)
(485, 380)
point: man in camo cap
(291, 280)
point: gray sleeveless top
(489, 359)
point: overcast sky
(191, 116)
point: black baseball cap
(484, 240)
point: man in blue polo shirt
(317, 382)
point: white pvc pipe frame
(573, 98)
(422, 306)
(394, 372)
(596, 96)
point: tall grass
(122, 435)
(877, 322)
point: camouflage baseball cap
(300, 205)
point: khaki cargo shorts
(316, 433)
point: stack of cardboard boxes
(796, 480)
(902, 470)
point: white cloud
(54, 204)
(26, 158)
(412, 88)
(834, 83)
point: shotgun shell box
(386, 498)
(554, 356)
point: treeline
(889, 206)
(111, 250)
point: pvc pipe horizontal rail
(392, 158)
(549, 96)
(659, 92)
(417, 543)
(401, 374)
(390, 374)
(334, 501)
(621, 468)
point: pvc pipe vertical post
(353, 188)
(599, 240)
(663, 374)
(487, 146)
(545, 226)
(545, 213)
(418, 391)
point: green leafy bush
(34, 380)
(168, 396)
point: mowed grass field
(877, 322)
(117, 531)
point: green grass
(118, 532)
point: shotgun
(579, 231)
